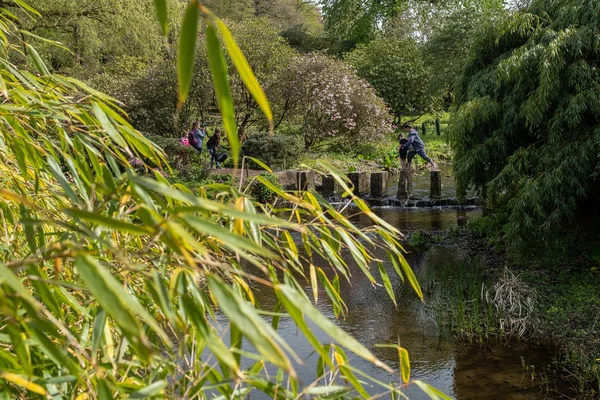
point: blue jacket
(414, 140)
(199, 135)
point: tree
(152, 99)
(281, 14)
(395, 68)
(449, 29)
(269, 55)
(526, 131)
(94, 33)
(356, 21)
(335, 107)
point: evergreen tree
(527, 128)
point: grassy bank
(380, 155)
(551, 299)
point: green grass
(374, 156)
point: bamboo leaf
(404, 364)
(250, 324)
(98, 332)
(328, 390)
(108, 126)
(334, 331)
(433, 393)
(37, 61)
(152, 390)
(386, 282)
(163, 17)
(14, 283)
(54, 352)
(186, 55)
(107, 222)
(347, 372)
(27, 7)
(410, 275)
(115, 300)
(218, 68)
(62, 180)
(22, 382)
(109, 294)
(260, 164)
(314, 283)
(243, 68)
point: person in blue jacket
(196, 137)
(415, 146)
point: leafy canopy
(527, 126)
(396, 69)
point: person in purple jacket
(418, 147)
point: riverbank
(494, 298)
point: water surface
(459, 370)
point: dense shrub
(277, 151)
(262, 193)
(395, 68)
(188, 165)
(152, 99)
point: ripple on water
(461, 371)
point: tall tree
(95, 32)
(357, 21)
(397, 71)
(448, 32)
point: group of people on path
(411, 146)
(196, 139)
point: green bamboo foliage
(111, 279)
(526, 132)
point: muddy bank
(564, 313)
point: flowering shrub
(335, 107)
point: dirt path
(251, 173)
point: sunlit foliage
(111, 280)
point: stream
(462, 371)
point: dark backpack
(192, 138)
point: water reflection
(461, 371)
(412, 219)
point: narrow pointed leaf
(337, 333)
(37, 61)
(187, 49)
(218, 68)
(152, 390)
(404, 364)
(22, 382)
(433, 393)
(163, 17)
(250, 324)
(243, 68)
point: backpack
(222, 157)
(192, 138)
